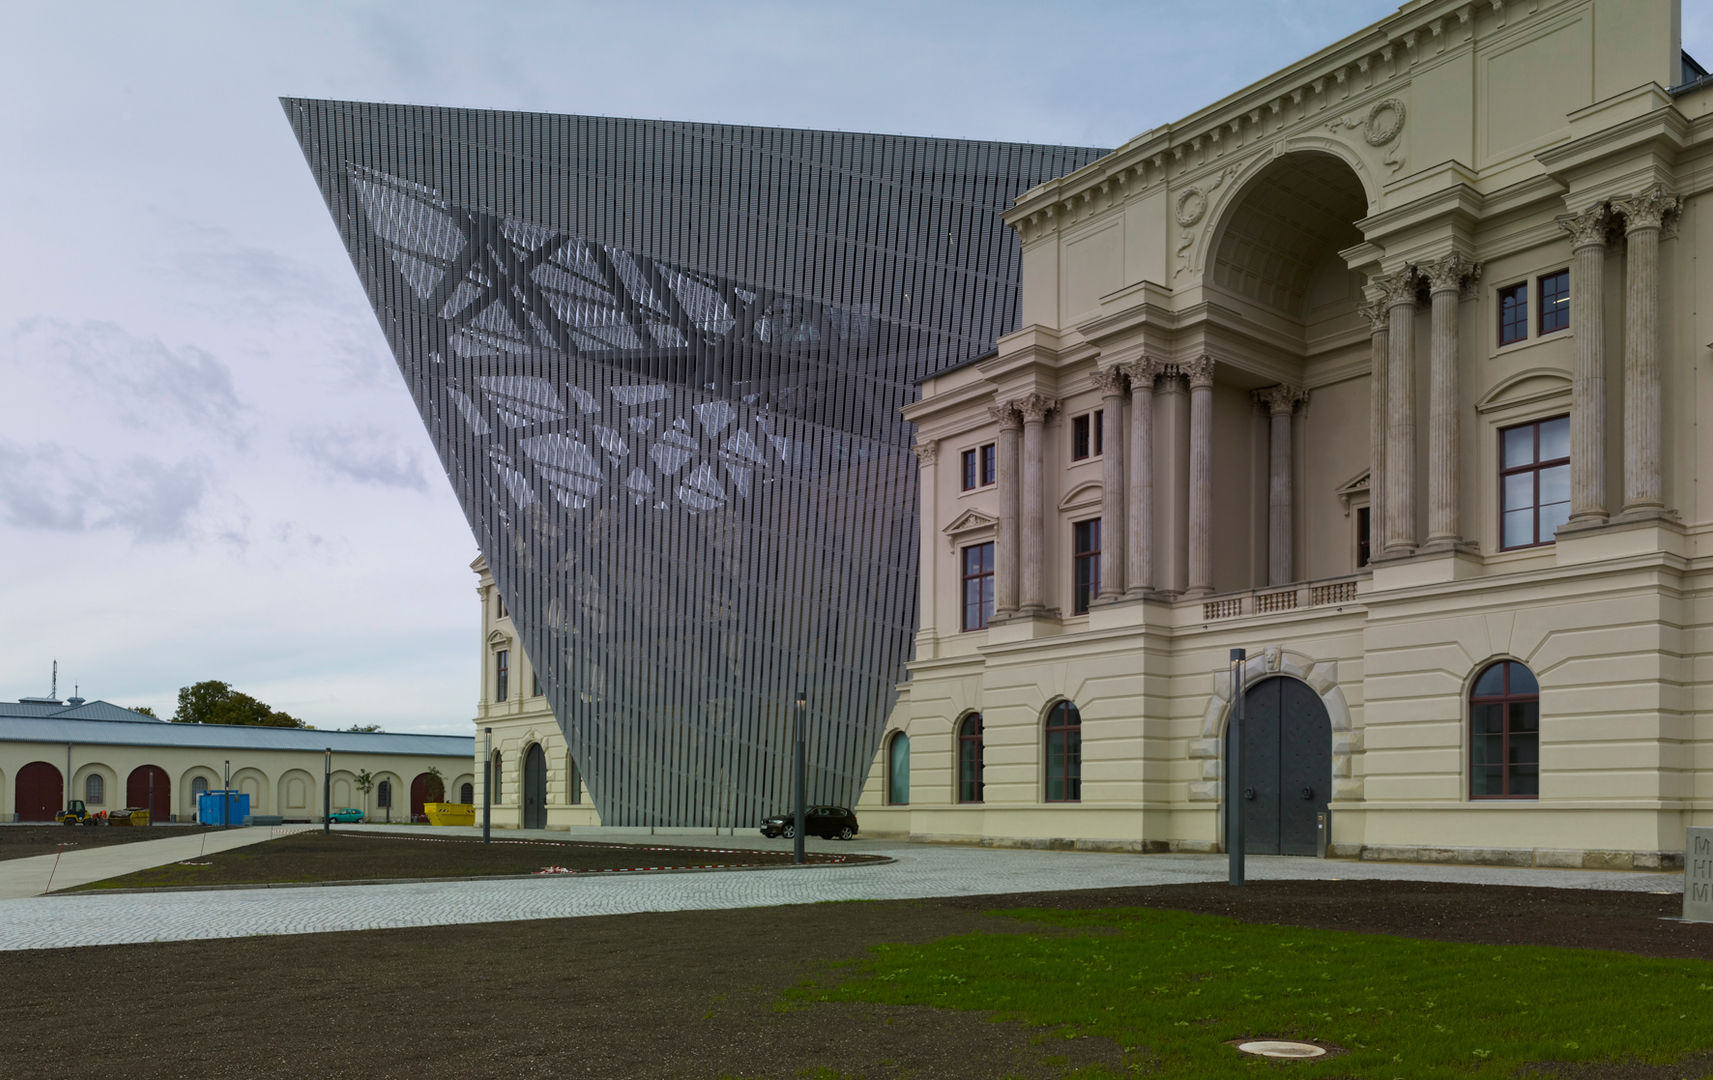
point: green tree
(214, 702)
(144, 709)
(436, 785)
(365, 784)
(363, 727)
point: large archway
(40, 792)
(1286, 767)
(535, 788)
(148, 786)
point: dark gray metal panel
(535, 788)
(662, 364)
(1287, 765)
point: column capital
(926, 452)
(1591, 228)
(1005, 414)
(1396, 289)
(1111, 381)
(1647, 210)
(1142, 372)
(1035, 407)
(1375, 312)
(1198, 371)
(1281, 399)
(1450, 273)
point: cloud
(364, 457)
(52, 489)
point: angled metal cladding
(662, 364)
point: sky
(209, 465)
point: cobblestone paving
(918, 870)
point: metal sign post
(226, 800)
(1234, 772)
(487, 779)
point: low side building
(1389, 370)
(111, 758)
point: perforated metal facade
(662, 365)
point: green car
(347, 815)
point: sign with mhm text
(1698, 876)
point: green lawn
(1172, 988)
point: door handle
(1249, 794)
(1308, 793)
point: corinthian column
(1445, 285)
(1379, 359)
(1111, 382)
(1034, 408)
(1139, 548)
(1400, 289)
(1281, 403)
(1200, 374)
(1588, 232)
(1643, 217)
(1005, 548)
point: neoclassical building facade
(1387, 369)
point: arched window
(1064, 753)
(573, 781)
(467, 793)
(1505, 733)
(494, 774)
(95, 789)
(384, 794)
(969, 759)
(198, 786)
(898, 770)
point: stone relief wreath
(1381, 126)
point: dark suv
(832, 822)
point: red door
(421, 791)
(39, 792)
(139, 793)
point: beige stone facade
(515, 724)
(1431, 295)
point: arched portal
(148, 786)
(1286, 768)
(425, 788)
(40, 792)
(1280, 238)
(535, 788)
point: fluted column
(1643, 217)
(926, 454)
(1400, 291)
(1139, 543)
(1034, 409)
(1446, 278)
(1112, 519)
(1588, 232)
(1200, 374)
(1005, 545)
(1378, 363)
(1281, 403)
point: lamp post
(797, 770)
(226, 799)
(487, 779)
(1234, 773)
(327, 793)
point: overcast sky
(209, 466)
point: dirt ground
(369, 856)
(681, 994)
(22, 841)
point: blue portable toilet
(212, 807)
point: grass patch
(1171, 988)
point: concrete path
(918, 870)
(81, 865)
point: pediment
(969, 523)
(1528, 387)
(1356, 485)
(1085, 494)
(498, 639)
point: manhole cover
(1279, 1048)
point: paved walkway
(918, 870)
(79, 866)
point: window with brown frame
(502, 674)
(1534, 482)
(1085, 564)
(1505, 733)
(1087, 436)
(1555, 302)
(970, 759)
(978, 585)
(1064, 753)
(979, 467)
(1514, 313)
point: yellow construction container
(450, 813)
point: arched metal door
(1286, 767)
(535, 788)
(148, 786)
(38, 792)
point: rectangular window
(535, 684)
(977, 467)
(1534, 482)
(1085, 541)
(978, 586)
(1364, 550)
(1555, 302)
(1514, 313)
(1086, 436)
(499, 606)
(502, 672)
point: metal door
(535, 788)
(38, 792)
(1286, 768)
(148, 786)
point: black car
(828, 821)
